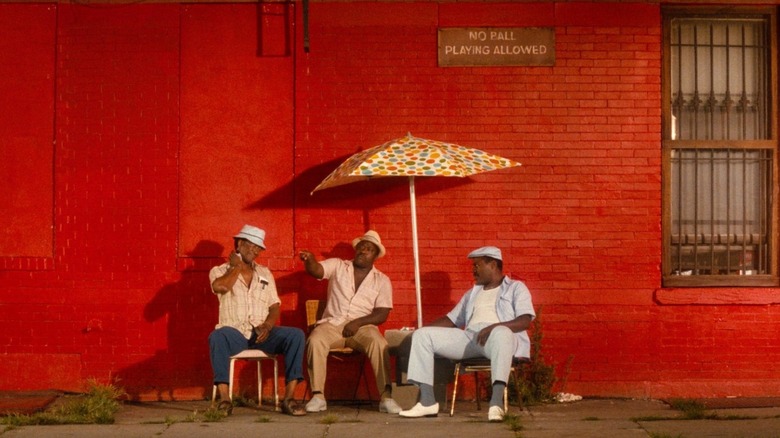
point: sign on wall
(496, 46)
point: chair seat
(475, 362)
(253, 354)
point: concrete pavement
(585, 418)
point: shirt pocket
(259, 304)
(506, 308)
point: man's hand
(262, 331)
(235, 259)
(350, 329)
(310, 263)
(484, 334)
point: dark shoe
(289, 407)
(226, 407)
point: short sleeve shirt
(245, 306)
(344, 302)
(513, 300)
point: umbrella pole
(413, 205)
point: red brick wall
(136, 229)
(27, 90)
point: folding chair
(314, 310)
(480, 365)
(257, 356)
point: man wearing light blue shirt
(489, 321)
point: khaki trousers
(368, 340)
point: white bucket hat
(252, 234)
(373, 237)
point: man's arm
(441, 322)
(518, 324)
(224, 284)
(376, 317)
(312, 266)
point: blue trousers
(227, 341)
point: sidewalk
(585, 418)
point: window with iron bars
(719, 148)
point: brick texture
(125, 294)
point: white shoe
(495, 413)
(419, 410)
(317, 404)
(389, 406)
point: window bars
(721, 172)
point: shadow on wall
(436, 295)
(182, 370)
(365, 195)
(191, 312)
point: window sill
(717, 296)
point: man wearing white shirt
(490, 320)
(360, 298)
(248, 312)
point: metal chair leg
(276, 385)
(230, 379)
(455, 389)
(479, 391)
(259, 384)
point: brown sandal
(290, 407)
(225, 406)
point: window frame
(668, 145)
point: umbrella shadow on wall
(366, 196)
(191, 311)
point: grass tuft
(513, 422)
(97, 406)
(329, 419)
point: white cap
(486, 251)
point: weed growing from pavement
(329, 419)
(333, 418)
(694, 410)
(513, 422)
(97, 406)
(652, 418)
(242, 401)
(207, 416)
(691, 409)
(213, 415)
(537, 377)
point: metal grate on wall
(721, 183)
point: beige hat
(373, 237)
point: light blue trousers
(456, 344)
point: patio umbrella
(411, 157)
